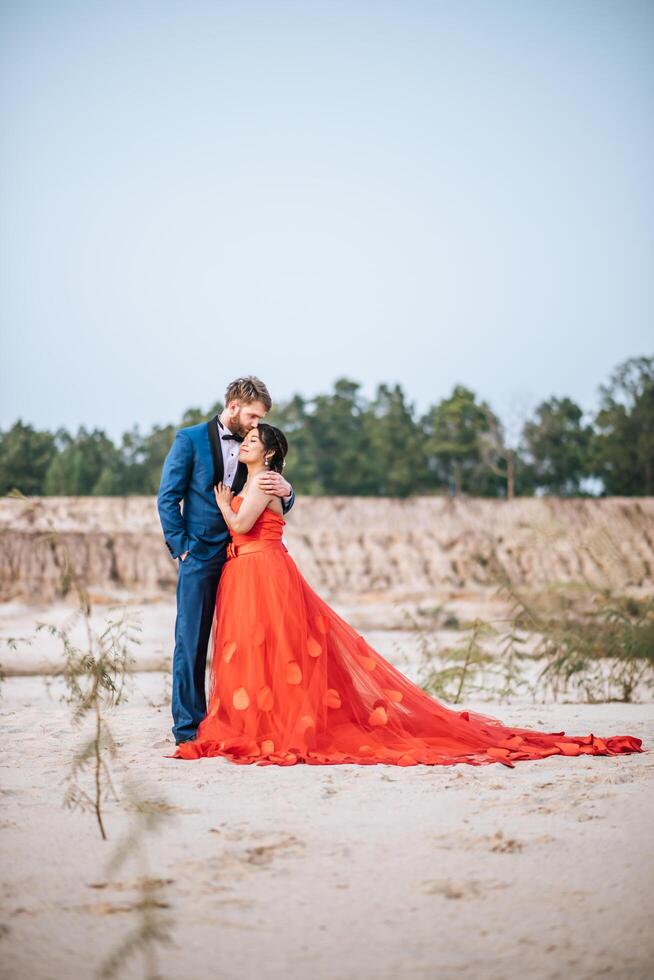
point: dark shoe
(184, 740)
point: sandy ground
(353, 872)
(543, 871)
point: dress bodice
(267, 527)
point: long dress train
(292, 682)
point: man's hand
(275, 485)
(182, 557)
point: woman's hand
(223, 496)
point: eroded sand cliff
(344, 546)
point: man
(200, 457)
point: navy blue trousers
(197, 582)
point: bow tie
(230, 436)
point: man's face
(242, 417)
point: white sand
(543, 871)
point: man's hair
(248, 390)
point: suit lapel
(216, 450)
(239, 478)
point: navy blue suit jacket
(193, 466)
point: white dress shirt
(230, 448)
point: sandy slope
(346, 545)
(377, 872)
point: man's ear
(233, 408)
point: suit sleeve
(287, 506)
(175, 479)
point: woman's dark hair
(275, 440)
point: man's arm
(175, 478)
(287, 502)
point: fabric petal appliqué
(229, 650)
(322, 625)
(378, 717)
(240, 699)
(293, 672)
(332, 698)
(313, 647)
(265, 698)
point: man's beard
(237, 427)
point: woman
(292, 682)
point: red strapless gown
(292, 682)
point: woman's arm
(275, 485)
(252, 507)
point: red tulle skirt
(292, 682)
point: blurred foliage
(344, 443)
(557, 447)
(594, 641)
(623, 449)
(469, 668)
(586, 642)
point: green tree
(88, 464)
(453, 429)
(497, 456)
(142, 458)
(25, 455)
(395, 443)
(557, 445)
(623, 448)
(192, 416)
(344, 464)
(301, 468)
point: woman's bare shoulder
(275, 505)
(272, 503)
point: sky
(422, 193)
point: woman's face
(252, 449)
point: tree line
(344, 443)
